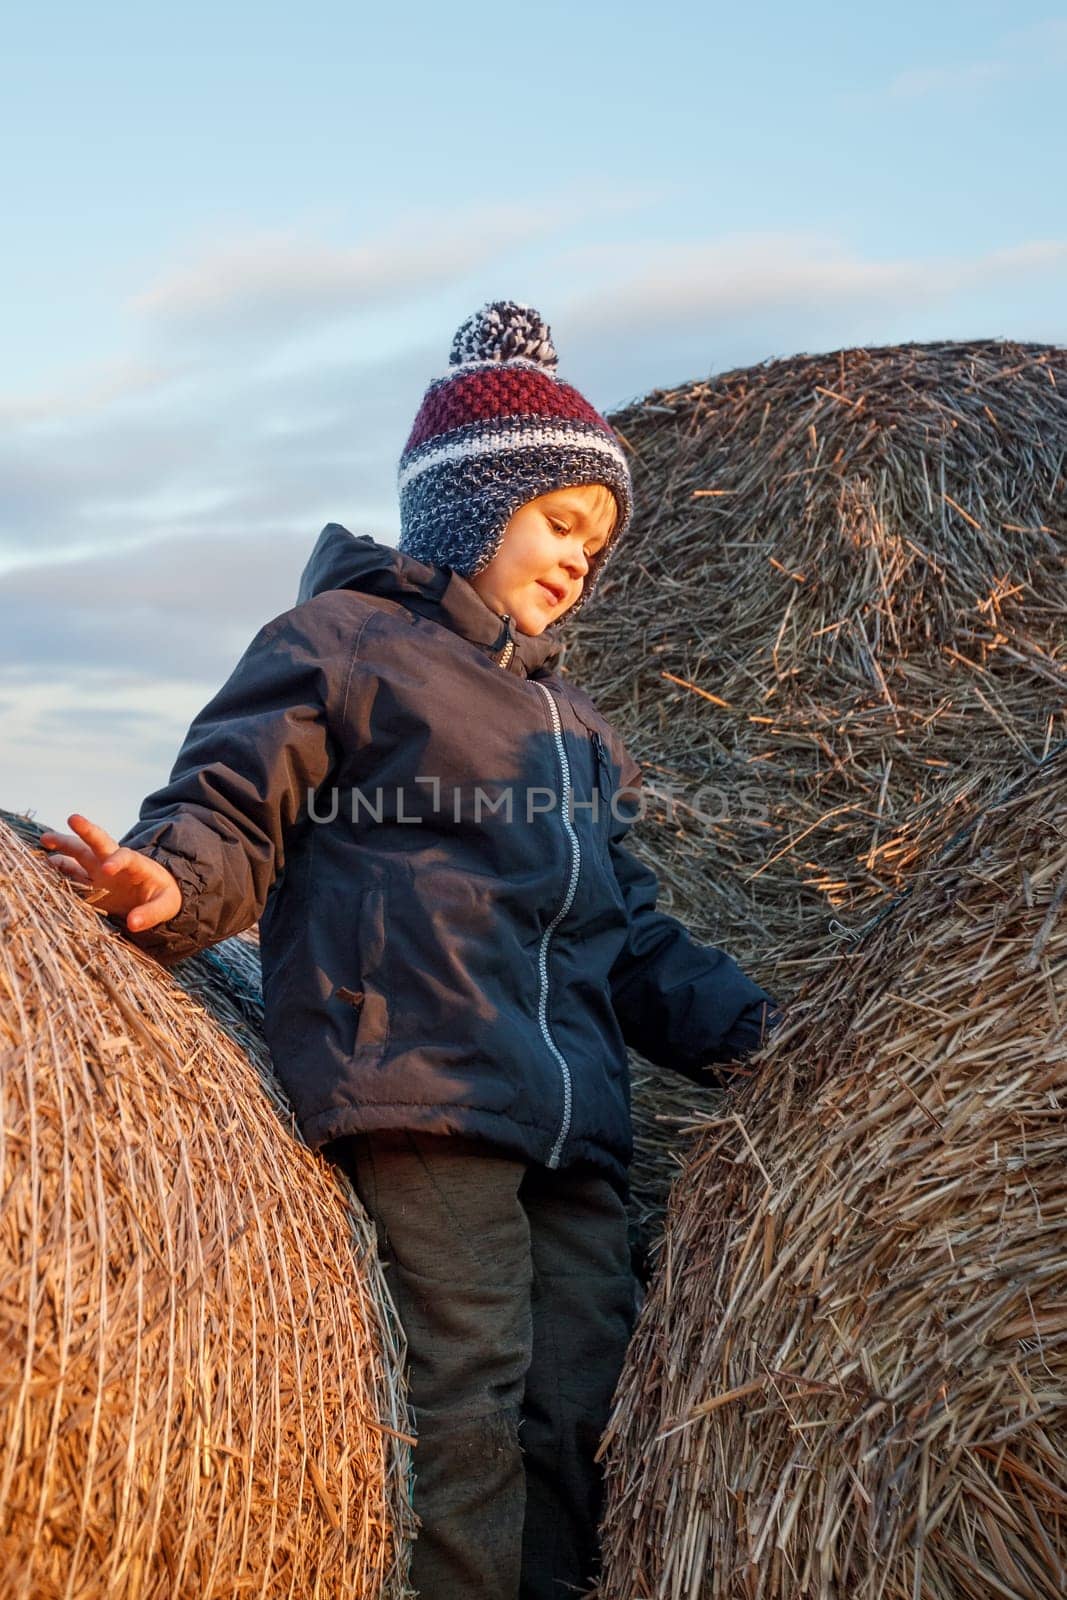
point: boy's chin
(535, 618)
(532, 619)
(535, 624)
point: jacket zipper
(546, 937)
(509, 649)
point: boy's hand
(126, 882)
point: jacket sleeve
(680, 1004)
(242, 779)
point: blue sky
(238, 240)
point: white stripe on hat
(516, 439)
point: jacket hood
(343, 560)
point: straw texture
(201, 1387)
(846, 584)
(850, 1376)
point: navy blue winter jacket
(429, 824)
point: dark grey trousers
(515, 1291)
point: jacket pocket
(602, 762)
(602, 795)
(604, 776)
(368, 997)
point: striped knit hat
(495, 432)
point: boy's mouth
(554, 590)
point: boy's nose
(576, 563)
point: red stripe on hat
(494, 394)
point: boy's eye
(564, 528)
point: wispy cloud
(754, 274)
(1039, 49)
(163, 582)
(87, 742)
(673, 312)
(247, 448)
(960, 77)
(258, 294)
(87, 392)
(179, 609)
(234, 450)
(201, 427)
(278, 285)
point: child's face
(545, 555)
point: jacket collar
(465, 611)
(341, 560)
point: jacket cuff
(179, 936)
(751, 1031)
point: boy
(456, 944)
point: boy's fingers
(70, 845)
(70, 868)
(122, 859)
(160, 908)
(141, 873)
(99, 841)
(91, 854)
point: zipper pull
(509, 649)
(352, 997)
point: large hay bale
(201, 1378)
(845, 585)
(850, 1376)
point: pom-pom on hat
(495, 432)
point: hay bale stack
(201, 1386)
(850, 1377)
(846, 584)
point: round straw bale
(201, 1387)
(850, 1375)
(845, 585)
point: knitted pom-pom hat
(495, 432)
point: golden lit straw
(850, 1375)
(200, 1371)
